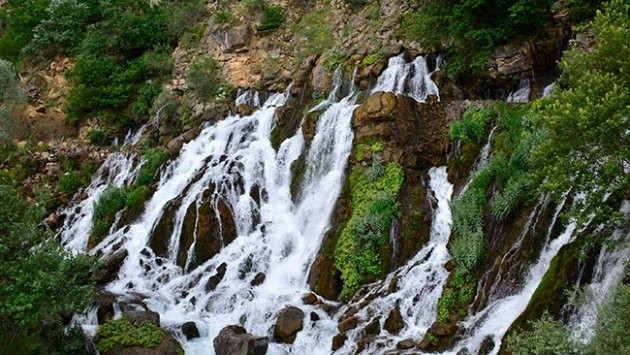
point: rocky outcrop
(235, 340)
(290, 321)
(190, 330)
(107, 270)
(233, 39)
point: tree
(585, 126)
(10, 95)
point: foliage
(611, 330)
(585, 126)
(10, 96)
(97, 137)
(111, 200)
(71, 181)
(547, 337)
(374, 205)
(445, 304)
(40, 281)
(203, 76)
(153, 160)
(136, 197)
(475, 27)
(372, 58)
(472, 127)
(334, 60)
(120, 333)
(273, 17)
(315, 31)
(182, 16)
(19, 19)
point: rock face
(290, 322)
(233, 39)
(108, 270)
(394, 322)
(235, 340)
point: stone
(139, 317)
(258, 279)
(244, 110)
(442, 329)
(310, 298)
(347, 324)
(290, 321)
(233, 39)
(338, 341)
(54, 220)
(405, 344)
(234, 340)
(190, 330)
(215, 279)
(108, 270)
(105, 312)
(321, 80)
(394, 322)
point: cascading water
(419, 282)
(277, 236)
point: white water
(420, 281)
(521, 95)
(607, 272)
(411, 79)
(233, 156)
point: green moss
(333, 60)
(445, 304)
(153, 160)
(273, 17)
(372, 58)
(121, 333)
(71, 182)
(109, 202)
(373, 193)
(136, 197)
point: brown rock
(105, 312)
(310, 298)
(190, 330)
(235, 340)
(233, 39)
(347, 324)
(405, 344)
(139, 317)
(394, 322)
(290, 321)
(338, 341)
(108, 270)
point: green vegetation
(153, 160)
(584, 144)
(97, 137)
(71, 182)
(10, 96)
(40, 283)
(122, 334)
(476, 27)
(111, 200)
(334, 60)
(372, 58)
(547, 336)
(374, 193)
(273, 17)
(315, 32)
(203, 77)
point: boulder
(108, 269)
(105, 312)
(258, 279)
(233, 39)
(405, 344)
(310, 298)
(190, 330)
(290, 321)
(394, 322)
(347, 324)
(139, 317)
(234, 340)
(338, 341)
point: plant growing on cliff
(374, 205)
(111, 200)
(11, 95)
(585, 143)
(203, 76)
(273, 17)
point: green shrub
(120, 333)
(273, 17)
(222, 16)
(473, 125)
(11, 96)
(445, 304)
(374, 205)
(111, 200)
(203, 76)
(153, 161)
(183, 15)
(98, 137)
(19, 19)
(71, 182)
(136, 197)
(372, 58)
(315, 31)
(546, 337)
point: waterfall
(232, 169)
(419, 282)
(521, 95)
(411, 79)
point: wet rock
(310, 298)
(258, 279)
(487, 345)
(394, 322)
(176, 143)
(290, 321)
(244, 110)
(105, 312)
(190, 330)
(215, 279)
(54, 220)
(347, 324)
(405, 344)
(338, 341)
(373, 328)
(321, 80)
(235, 340)
(442, 329)
(108, 270)
(314, 317)
(139, 317)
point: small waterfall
(411, 79)
(482, 159)
(607, 272)
(502, 310)
(521, 95)
(419, 282)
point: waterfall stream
(269, 235)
